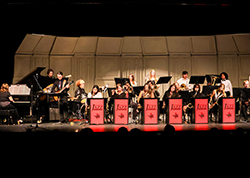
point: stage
(111, 128)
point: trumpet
(128, 88)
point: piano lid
(29, 79)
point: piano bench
(7, 114)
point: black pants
(244, 110)
(215, 110)
(14, 114)
(63, 109)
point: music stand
(164, 80)
(197, 80)
(208, 89)
(110, 91)
(122, 81)
(138, 89)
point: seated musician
(188, 106)
(145, 93)
(184, 82)
(172, 92)
(80, 96)
(215, 102)
(80, 93)
(245, 99)
(118, 93)
(57, 87)
(6, 101)
(95, 93)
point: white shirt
(98, 95)
(228, 86)
(134, 85)
(186, 82)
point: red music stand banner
(121, 111)
(175, 111)
(228, 110)
(201, 111)
(150, 111)
(96, 111)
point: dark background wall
(140, 19)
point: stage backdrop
(98, 60)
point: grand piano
(24, 93)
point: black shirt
(4, 96)
(80, 93)
(122, 95)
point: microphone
(68, 76)
(105, 88)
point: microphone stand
(37, 105)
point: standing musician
(152, 77)
(227, 83)
(130, 94)
(154, 88)
(50, 74)
(245, 99)
(132, 80)
(184, 82)
(57, 87)
(215, 102)
(188, 106)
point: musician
(154, 88)
(152, 77)
(188, 106)
(6, 101)
(95, 93)
(129, 91)
(80, 93)
(184, 82)
(245, 99)
(227, 83)
(59, 84)
(145, 93)
(172, 92)
(132, 80)
(50, 74)
(118, 93)
(80, 96)
(215, 104)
